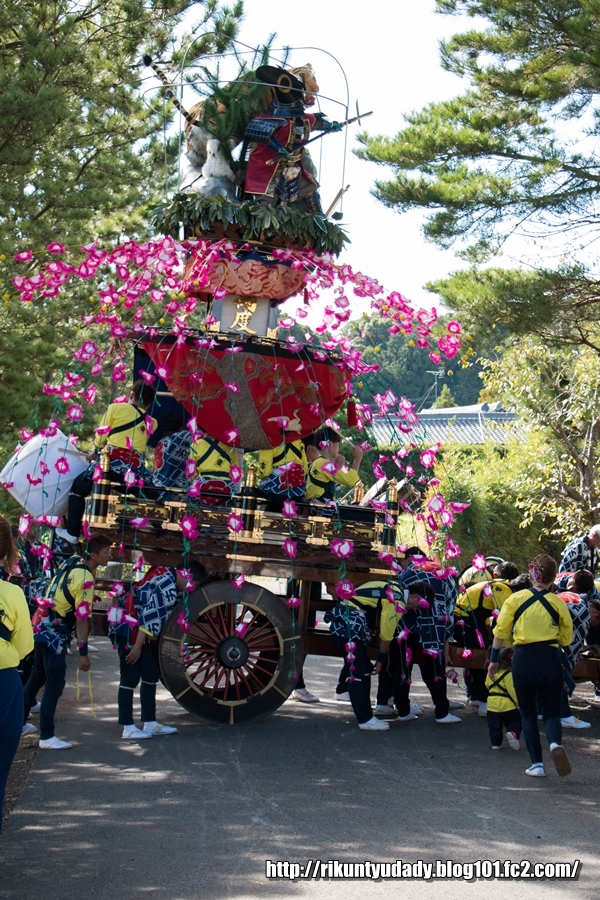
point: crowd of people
(532, 626)
(311, 468)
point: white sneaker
(374, 725)
(560, 759)
(456, 704)
(448, 720)
(574, 722)
(35, 708)
(65, 536)
(407, 718)
(304, 696)
(473, 702)
(382, 709)
(28, 729)
(536, 770)
(482, 711)
(513, 740)
(133, 733)
(156, 728)
(54, 743)
(342, 698)
(92, 649)
(416, 709)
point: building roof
(457, 424)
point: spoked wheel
(239, 658)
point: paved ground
(197, 814)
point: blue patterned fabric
(154, 601)
(277, 483)
(348, 623)
(170, 458)
(433, 626)
(579, 555)
(260, 131)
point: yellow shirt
(117, 415)
(320, 484)
(373, 594)
(474, 598)
(535, 624)
(80, 584)
(501, 685)
(279, 456)
(213, 457)
(14, 615)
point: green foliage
(406, 369)
(491, 479)
(556, 393)
(258, 222)
(445, 399)
(512, 155)
(81, 158)
(228, 109)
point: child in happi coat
(502, 711)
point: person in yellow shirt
(16, 641)
(476, 607)
(327, 467)
(67, 606)
(502, 708)
(538, 622)
(212, 483)
(123, 430)
(282, 470)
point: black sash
(278, 460)
(501, 690)
(328, 487)
(129, 425)
(537, 597)
(5, 634)
(213, 444)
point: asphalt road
(196, 814)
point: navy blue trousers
(49, 669)
(11, 724)
(538, 679)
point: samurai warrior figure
(280, 171)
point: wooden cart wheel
(242, 653)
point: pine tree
(81, 158)
(516, 153)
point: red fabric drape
(272, 383)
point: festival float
(197, 312)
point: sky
(389, 53)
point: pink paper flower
(479, 562)
(235, 522)
(235, 473)
(190, 468)
(330, 467)
(62, 465)
(344, 589)
(24, 523)
(231, 436)
(238, 581)
(290, 510)
(458, 507)
(183, 621)
(427, 458)
(454, 327)
(139, 522)
(452, 549)
(84, 610)
(294, 602)
(290, 548)
(189, 528)
(232, 387)
(56, 247)
(341, 548)
(24, 256)
(75, 413)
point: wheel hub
(232, 652)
